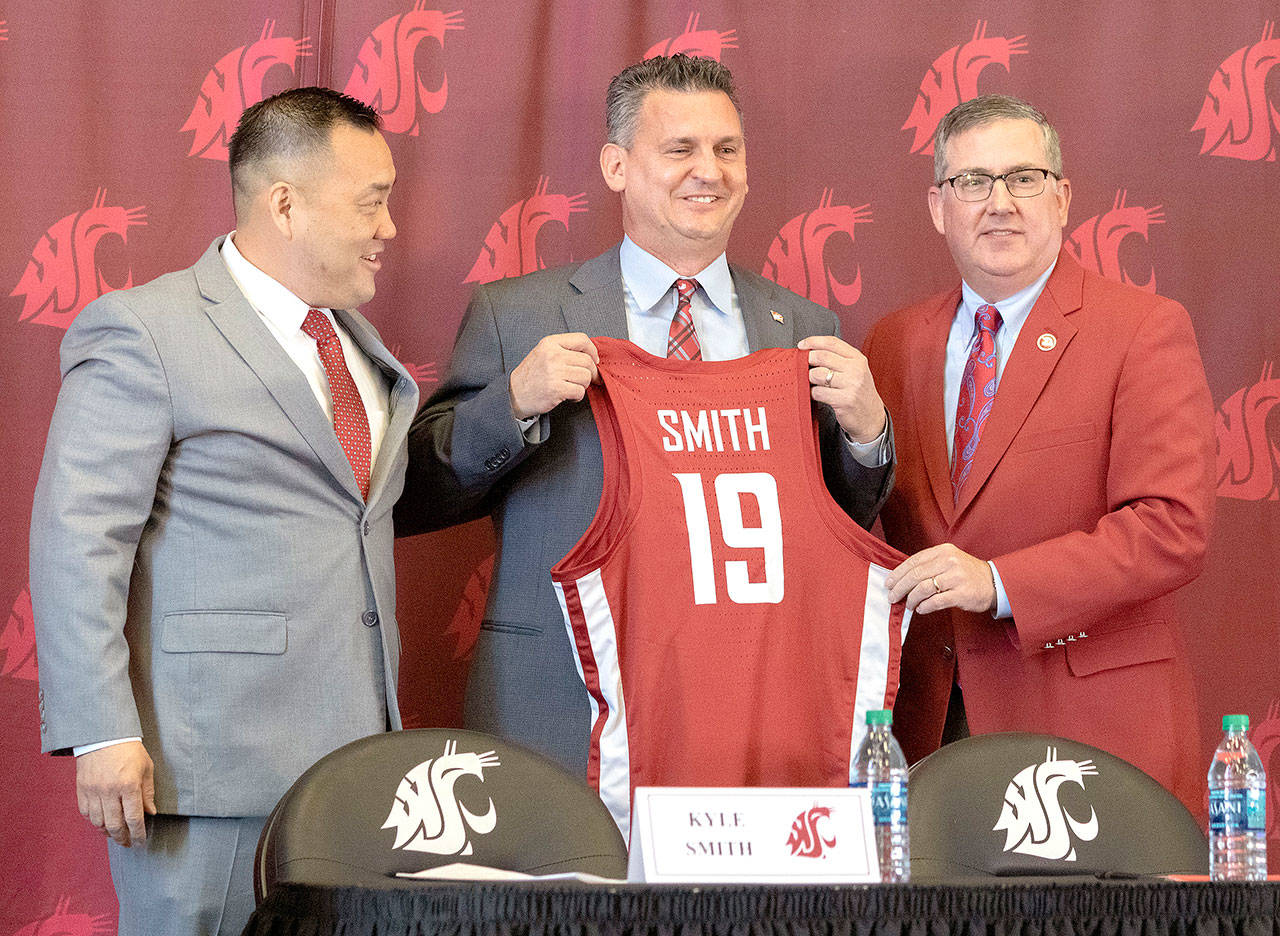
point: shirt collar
(271, 298)
(1013, 310)
(649, 279)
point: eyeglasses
(1020, 183)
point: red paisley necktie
(682, 340)
(977, 394)
(350, 421)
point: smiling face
(1003, 244)
(683, 179)
(341, 221)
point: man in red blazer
(1055, 472)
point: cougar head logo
(62, 277)
(1096, 242)
(18, 641)
(386, 76)
(65, 923)
(953, 78)
(1237, 119)
(1033, 820)
(234, 83)
(511, 246)
(1248, 459)
(427, 815)
(694, 41)
(805, 840)
(796, 258)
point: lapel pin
(1046, 342)
(778, 317)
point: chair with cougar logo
(1023, 804)
(408, 801)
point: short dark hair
(294, 124)
(983, 110)
(679, 72)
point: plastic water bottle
(1237, 807)
(881, 767)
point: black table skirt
(566, 909)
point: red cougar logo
(422, 374)
(511, 246)
(385, 76)
(1237, 119)
(695, 41)
(796, 257)
(235, 83)
(805, 840)
(953, 78)
(1266, 738)
(62, 277)
(18, 641)
(1096, 242)
(64, 923)
(4, 31)
(1248, 460)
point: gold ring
(937, 589)
(830, 374)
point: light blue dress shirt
(964, 333)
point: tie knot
(685, 287)
(988, 318)
(317, 325)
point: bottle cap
(879, 716)
(1228, 721)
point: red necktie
(977, 394)
(682, 340)
(350, 421)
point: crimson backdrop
(113, 124)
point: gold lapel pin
(1046, 342)
(777, 317)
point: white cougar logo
(427, 816)
(1034, 821)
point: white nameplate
(757, 834)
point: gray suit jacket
(204, 572)
(468, 458)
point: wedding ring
(830, 374)
(937, 589)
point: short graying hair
(983, 110)
(679, 72)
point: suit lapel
(928, 399)
(598, 308)
(767, 326)
(1027, 371)
(244, 330)
(402, 399)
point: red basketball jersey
(731, 622)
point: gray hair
(677, 72)
(983, 110)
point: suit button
(369, 618)
(948, 653)
(366, 528)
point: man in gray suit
(211, 538)
(509, 433)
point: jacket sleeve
(99, 486)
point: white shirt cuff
(1002, 600)
(89, 748)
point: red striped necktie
(682, 340)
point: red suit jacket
(1092, 490)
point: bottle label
(889, 802)
(1237, 811)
